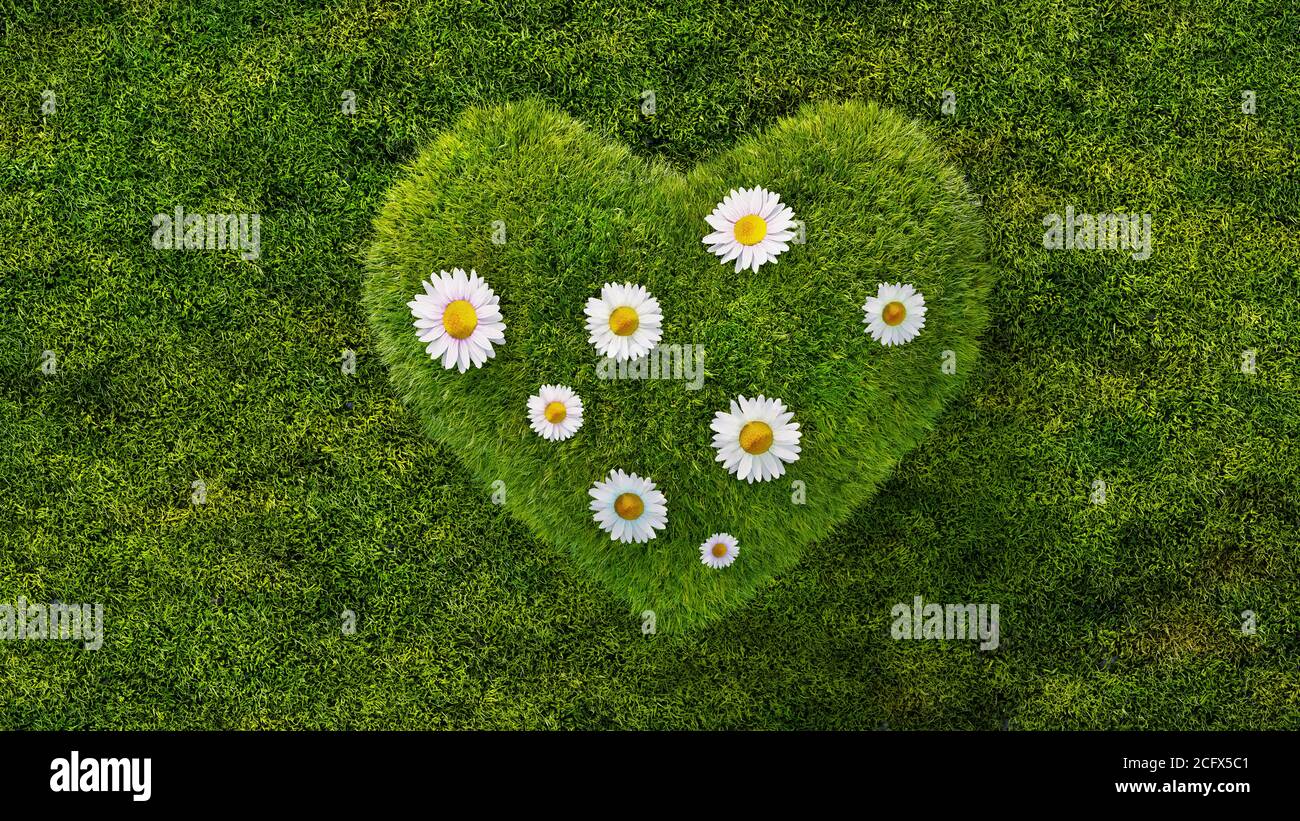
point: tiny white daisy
(555, 412)
(460, 317)
(896, 314)
(756, 439)
(628, 508)
(719, 550)
(750, 226)
(625, 322)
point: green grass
(180, 366)
(878, 202)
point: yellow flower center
(894, 313)
(719, 550)
(460, 319)
(624, 321)
(555, 413)
(756, 437)
(629, 506)
(750, 229)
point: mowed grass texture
(179, 366)
(573, 212)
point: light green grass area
(183, 366)
(573, 212)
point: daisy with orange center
(624, 322)
(750, 226)
(719, 550)
(756, 439)
(555, 412)
(459, 317)
(628, 507)
(895, 315)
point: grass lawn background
(179, 366)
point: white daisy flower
(555, 412)
(719, 550)
(756, 439)
(628, 508)
(625, 322)
(896, 314)
(460, 317)
(750, 226)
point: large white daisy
(756, 439)
(628, 508)
(460, 317)
(719, 550)
(625, 322)
(555, 412)
(750, 226)
(896, 314)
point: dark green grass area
(576, 211)
(182, 366)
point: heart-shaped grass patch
(547, 214)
